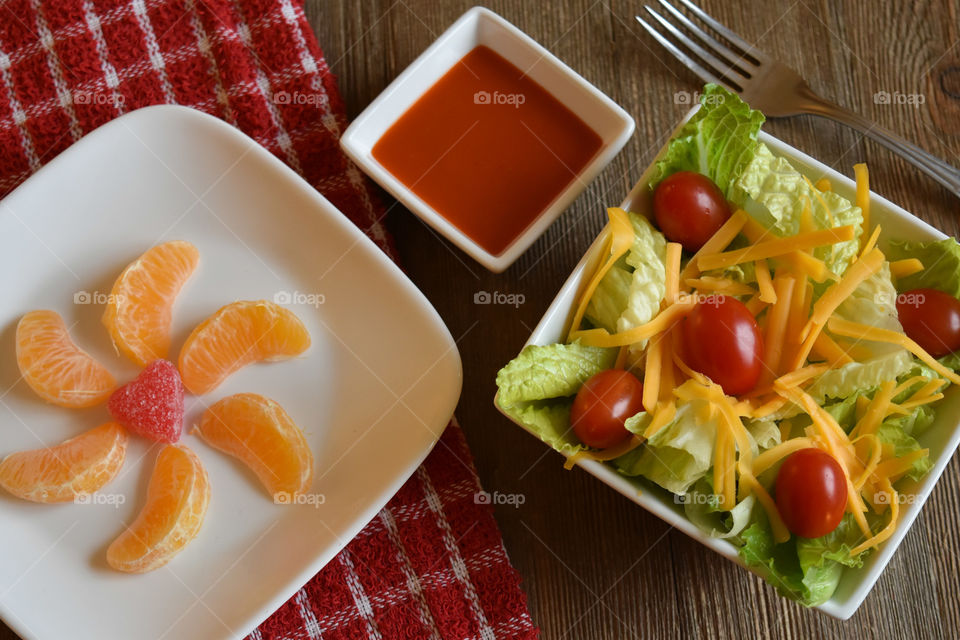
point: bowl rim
(655, 498)
(360, 152)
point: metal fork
(771, 86)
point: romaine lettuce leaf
(802, 569)
(610, 298)
(550, 421)
(718, 141)
(648, 285)
(676, 456)
(550, 371)
(774, 193)
(700, 507)
(941, 261)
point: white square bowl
(480, 26)
(941, 438)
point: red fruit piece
(151, 405)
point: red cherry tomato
(811, 493)
(603, 404)
(689, 208)
(721, 340)
(931, 318)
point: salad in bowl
(745, 345)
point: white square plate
(372, 394)
(941, 438)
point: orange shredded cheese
(777, 247)
(674, 251)
(826, 348)
(755, 305)
(775, 454)
(651, 373)
(764, 282)
(833, 298)
(863, 194)
(717, 242)
(775, 333)
(859, 331)
(823, 184)
(886, 532)
(724, 286)
(661, 418)
(662, 321)
(905, 267)
(803, 262)
(621, 236)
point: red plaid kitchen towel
(432, 563)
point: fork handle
(936, 168)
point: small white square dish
(941, 438)
(480, 27)
(372, 394)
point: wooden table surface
(595, 565)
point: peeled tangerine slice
(79, 466)
(235, 336)
(177, 500)
(260, 433)
(140, 307)
(58, 370)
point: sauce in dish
(488, 148)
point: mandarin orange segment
(80, 466)
(140, 307)
(177, 500)
(258, 432)
(235, 336)
(56, 368)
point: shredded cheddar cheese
(859, 331)
(777, 247)
(660, 322)
(863, 194)
(621, 237)
(764, 282)
(905, 267)
(717, 242)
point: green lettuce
(647, 257)
(941, 262)
(700, 507)
(718, 141)
(550, 421)
(550, 371)
(610, 298)
(804, 569)
(676, 456)
(774, 193)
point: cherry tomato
(811, 493)
(689, 208)
(721, 340)
(603, 404)
(931, 318)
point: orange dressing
(488, 148)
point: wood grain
(596, 566)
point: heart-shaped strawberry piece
(152, 404)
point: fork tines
(711, 60)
